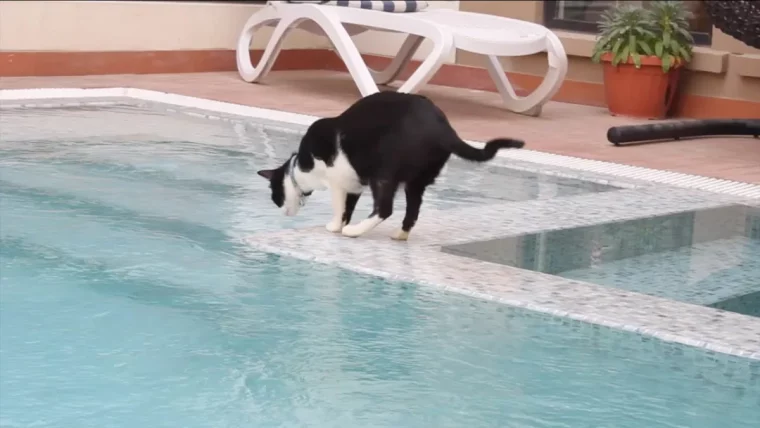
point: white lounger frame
(447, 30)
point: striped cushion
(381, 5)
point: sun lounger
(488, 35)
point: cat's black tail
(466, 151)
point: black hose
(675, 130)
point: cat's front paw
(335, 226)
(400, 235)
(352, 230)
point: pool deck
(563, 129)
(566, 129)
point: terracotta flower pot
(646, 92)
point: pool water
(128, 300)
(230, 151)
(708, 257)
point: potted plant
(643, 51)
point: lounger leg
(329, 24)
(266, 16)
(443, 46)
(532, 103)
(347, 51)
(390, 73)
(507, 91)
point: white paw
(400, 235)
(335, 226)
(352, 230)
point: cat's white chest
(342, 175)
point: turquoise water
(707, 257)
(127, 300)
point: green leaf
(623, 56)
(636, 59)
(685, 34)
(624, 53)
(658, 48)
(675, 46)
(685, 54)
(667, 62)
(644, 32)
(616, 46)
(666, 38)
(645, 47)
(597, 57)
(632, 45)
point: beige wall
(720, 70)
(724, 69)
(129, 26)
(142, 26)
(383, 43)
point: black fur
(389, 138)
(275, 177)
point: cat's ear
(266, 173)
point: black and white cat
(384, 140)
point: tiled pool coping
(646, 192)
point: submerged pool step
(130, 165)
(43, 202)
(130, 243)
(137, 197)
(192, 295)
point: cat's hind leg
(414, 192)
(383, 192)
(351, 200)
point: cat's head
(285, 193)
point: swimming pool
(128, 298)
(705, 257)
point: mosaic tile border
(645, 192)
(587, 166)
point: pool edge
(709, 184)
